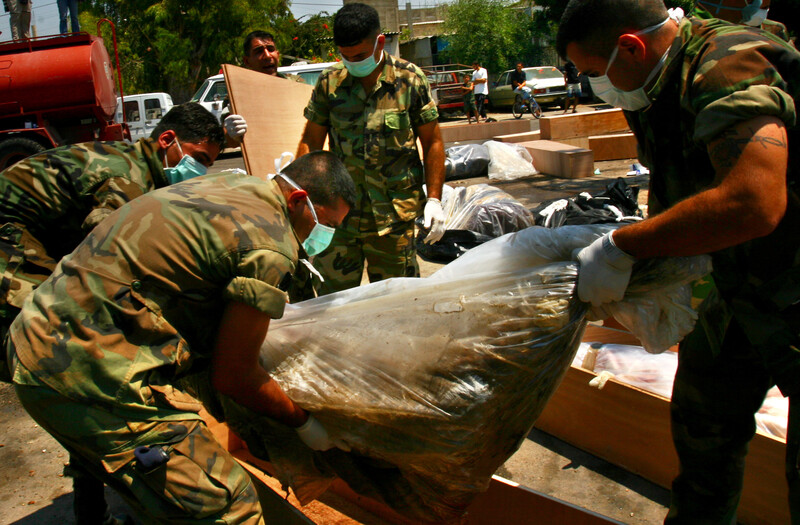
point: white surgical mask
(628, 100)
(363, 68)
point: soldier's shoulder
(406, 68)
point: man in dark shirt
(572, 79)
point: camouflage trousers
(714, 399)
(389, 255)
(201, 483)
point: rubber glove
(434, 220)
(314, 435)
(235, 127)
(604, 271)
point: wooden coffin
(630, 427)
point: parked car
(143, 112)
(445, 82)
(213, 93)
(546, 83)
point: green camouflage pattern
(374, 135)
(389, 255)
(201, 483)
(747, 337)
(717, 75)
(138, 302)
(49, 202)
(770, 26)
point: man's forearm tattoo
(730, 146)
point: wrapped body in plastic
(435, 382)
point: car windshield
(543, 73)
(199, 93)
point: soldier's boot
(89, 506)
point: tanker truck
(55, 91)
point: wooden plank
(557, 127)
(484, 131)
(613, 147)
(631, 428)
(519, 137)
(273, 108)
(509, 502)
(560, 160)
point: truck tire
(16, 149)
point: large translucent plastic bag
(508, 161)
(485, 209)
(432, 382)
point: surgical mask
(321, 235)
(363, 68)
(628, 100)
(187, 168)
(750, 12)
(758, 18)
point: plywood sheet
(584, 124)
(560, 160)
(273, 108)
(631, 428)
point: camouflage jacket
(770, 26)
(136, 306)
(374, 135)
(718, 75)
(49, 202)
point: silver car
(546, 83)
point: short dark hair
(354, 23)
(597, 24)
(248, 40)
(191, 122)
(324, 177)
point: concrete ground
(33, 490)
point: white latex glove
(434, 220)
(316, 437)
(235, 126)
(604, 271)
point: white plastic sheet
(508, 161)
(432, 382)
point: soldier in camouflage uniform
(375, 107)
(713, 108)
(52, 200)
(753, 13)
(178, 283)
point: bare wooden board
(273, 108)
(560, 160)
(613, 147)
(557, 127)
(485, 130)
(504, 502)
(630, 427)
(519, 137)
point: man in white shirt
(480, 81)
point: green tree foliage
(173, 45)
(489, 31)
(312, 39)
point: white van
(143, 112)
(213, 93)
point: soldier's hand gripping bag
(432, 382)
